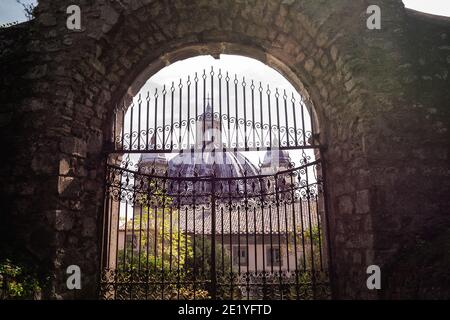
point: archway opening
(214, 188)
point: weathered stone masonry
(381, 98)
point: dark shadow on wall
(22, 273)
(421, 271)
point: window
(239, 256)
(273, 257)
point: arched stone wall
(358, 81)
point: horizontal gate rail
(209, 177)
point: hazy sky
(10, 10)
(439, 7)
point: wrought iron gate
(202, 235)
(257, 237)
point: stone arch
(310, 59)
(216, 49)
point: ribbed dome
(152, 158)
(153, 162)
(278, 158)
(219, 164)
(228, 168)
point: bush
(18, 282)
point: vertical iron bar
(231, 238)
(171, 239)
(194, 214)
(147, 232)
(288, 144)
(139, 123)
(277, 199)
(227, 79)
(204, 111)
(246, 235)
(236, 111)
(156, 120)
(308, 197)
(116, 265)
(213, 242)
(172, 97)
(294, 230)
(147, 127)
(212, 129)
(277, 95)
(123, 129)
(203, 238)
(125, 237)
(295, 120)
(319, 231)
(163, 238)
(262, 186)
(140, 234)
(270, 116)
(261, 114)
(271, 239)
(179, 239)
(256, 247)
(188, 112)
(131, 126)
(302, 114)
(286, 230)
(252, 87)
(196, 109)
(244, 98)
(164, 119)
(219, 76)
(180, 116)
(223, 247)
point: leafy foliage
(18, 282)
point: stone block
(64, 166)
(362, 201)
(73, 146)
(63, 220)
(345, 205)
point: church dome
(219, 164)
(148, 159)
(276, 158)
(153, 163)
(232, 173)
(210, 163)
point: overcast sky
(439, 7)
(11, 11)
